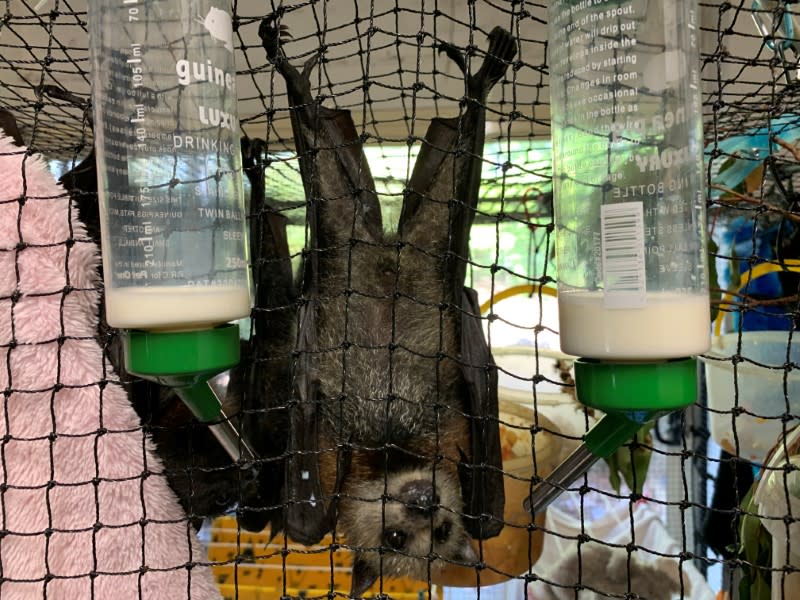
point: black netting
(365, 386)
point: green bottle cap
(181, 353)
(184, 360)
(637, 389)
(631, 394)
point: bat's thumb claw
(454, 54)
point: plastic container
(778, 496)
(169, 163)
(629, 208)
(628, 179)
(760, 390)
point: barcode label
(622, 239)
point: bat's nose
(419, 496)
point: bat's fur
(386, 393)
(395, 407)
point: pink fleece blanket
(85, 510)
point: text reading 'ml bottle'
(628, 178)
(169, 163)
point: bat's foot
(273, 36)
(252, 150)
(502, 49)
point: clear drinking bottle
(172, 210)
(628, 183)
(169, 163)
(628, 178)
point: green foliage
(631, 462)
(755, 552)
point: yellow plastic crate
(230, 592)
(249, 567)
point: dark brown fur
(392, 397)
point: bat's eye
(394, 538)
(442, 532)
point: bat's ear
(364, 575)
(8, 125)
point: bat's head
(407, 524)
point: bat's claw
(502, 49)
(454, 54)
(252, 150)
(272, 35)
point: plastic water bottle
(628, 183)
(169, 163)
(170, 189)
(628, 178)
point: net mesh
(120, 503)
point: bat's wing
(481, 476)
(262, 381)
(437, 215)
(341, 205)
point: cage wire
(713, 514)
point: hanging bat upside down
(393, 436)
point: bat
(393, 424)
(261, 384)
